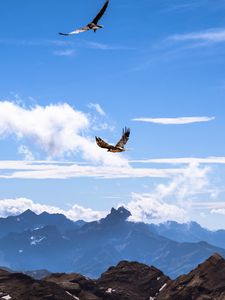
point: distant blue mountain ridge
(53, 242)
(189, 232)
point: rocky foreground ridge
(126, 281)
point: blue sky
(156, 62)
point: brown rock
(131, 280)
(207, 281)
(76, 284)
(19, 286)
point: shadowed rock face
(76, 284)
(17, 286)
(116, 216)
(207, 281)
(131, 280)
(128, 280)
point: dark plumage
(119, 147)
(93, 25)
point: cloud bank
(56, 170)
(172, 200)
(147, 209)
(58, 130)
(184, 160)
(219, 211)
(17, 206)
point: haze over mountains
(190, 232)
(53, 242)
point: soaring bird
(93, 25)
(119, 147)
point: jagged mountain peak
(117, 215)
(27, 213)
(45, 213)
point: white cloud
(220, 211)
(57, 129)
(172, 200)
(209, 205)
(175, 121)
(99, 46)
(212, 35)
(97, 107)
(61, 44)
(25, 151)
(184, 160)
(183, 6)
(192, 181)
(50, 126)
(77, 212)
(55, 170)
(34, 42)
(65, 169)
(16, 206)
(145, 208)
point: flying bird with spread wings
(119, 147)
(93, 25)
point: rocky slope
(17, 286)
(132, 281)
(125, 281)
(128, 280)
(207, 281)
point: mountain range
(125, 281)
(28, 220)
(30, 242)
(190, 232)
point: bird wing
(102, 143)
(77, 31)
(124, 138)
(101, 12)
